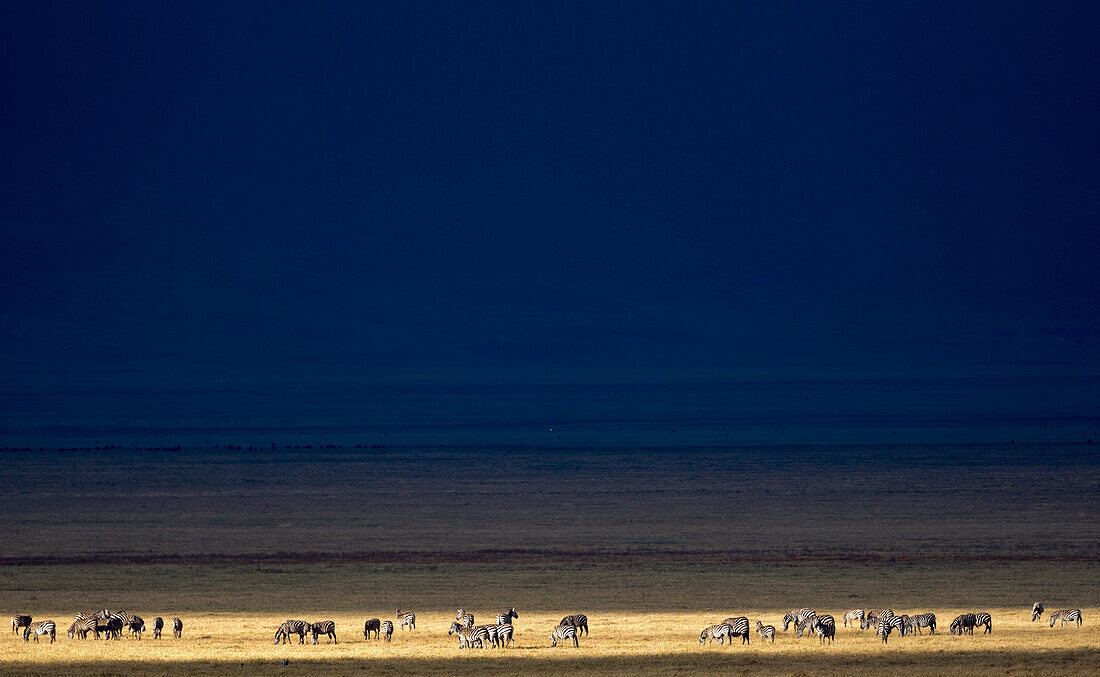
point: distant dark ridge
(532, 556)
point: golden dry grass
(621, 643)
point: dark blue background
(559, 191)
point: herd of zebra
(106, 624)
(110, 625)
(882, 621)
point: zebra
(406, 618)
(825, 628)
(564, 632)
(716, 633)
(504, 634)
(765, 631)
(853, 615)
(872, 618)
(897, 623)
(963, 624)
(466, 619)
(137, 625)
(739, 627)
(40, 628)
(387, 630)
(177, 628)
(327, 628)
(985, 619)
(82, 627)
(883, 629)
(468, 637)
(796, 616)
(111, 627)
(1066, 616)
(291, 627)
(158, 625)
(19, 621)
(924, 621)
(806, 624)
(1036, 611)
(372, 625)
(506, 617)
(579, 621)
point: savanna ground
(652, 544)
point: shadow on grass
(1076, 661)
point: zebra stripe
(40, 628)
(406, 618)
(504, 635)
(716, 633)
(825, 628)
(158, 625)
(327, 628)
(506, 617)
(853, 615)
(465, 619)
(897, 623)
(372, 625)
(883, 630)
(83, 616)
(177, 628)
(564, 632)
(873, 617)
(579, 621)
(19, 621)
(798, 617)
(924, 621)
(387, 630)
(1066, 616)
(291, 627)
(964, 624)
(1036, 611)
(739, 627)
(469, 637)
(984, 619)
(765, 631)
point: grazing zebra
(40, 628)
(158, 625)
(853, 615)
(739, 627)
(798, 617)
(82, 627)
(137, 625)
(924, 621)
(327, 628)
(825, 628)
(387, 630)
(406, 618)
(578, 621)
(469, 637)
(291, 627)
(564, 632)
(883, 630)
(1066, 616)
(964, 624)
(504, 635)
(19, 621)
(897, 623)
(765, 631)
(872, 618)
(1036, 611)
(177, 628)
(506, 617)
(984, 619)
(714, 633)
(374, 625)
(465, 619)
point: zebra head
(1054, 618)
(454, 628)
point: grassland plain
(653, 544)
